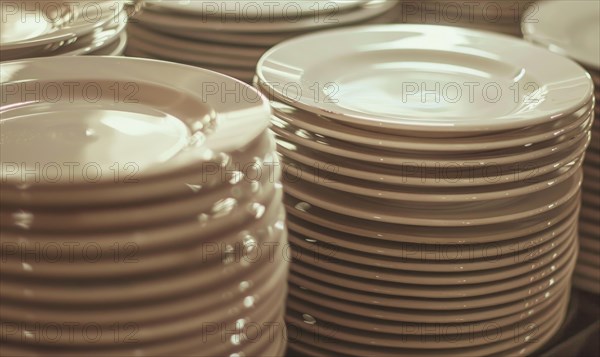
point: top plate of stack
(39, 29)
(512, 88)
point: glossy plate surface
(174, 118)
(402, 64)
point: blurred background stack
(230, 36)
(39, 29)
(571, 29)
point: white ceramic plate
(519, 138)
(372, 310)
(155, 311)
(312, 344)
(458, 174)
(329, 247)
(349, 60)
(396, 282)
(295, 170)
(254, 157)
(202, 205)
(372, 324)
(571, 28)
(126, 113)
(432, 235)
(113, 292)
(351, 151)
(429, 215)
(449, 257)
(436, 304)
(447, 338)
(133, 255)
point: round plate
(374, 324)
(440, 257)
(404, 283)
(437, 304)
(246, 165)
(110, 107)
(218, 203)
(429, 235)
(265, 296)
(345, 150)
(519, 138)
(427, 258)
(433, 56)
(295, 170)
(436, 215)
(457, 174)
(570, 28)
(151, 288)
(136, 258)
(223, 295)
(375, 310)
(331, 345)
(446, 339)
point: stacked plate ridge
(146, 220)
(490, 15)
(425, 222)
(576, 34)
(34, 28)
(230, 36)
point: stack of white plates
(490, 15)
(139, 217)
(33, 28)
(427, 218)
(230, 36)
(572, 29)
